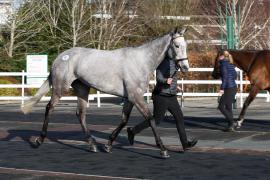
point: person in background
(228, 88)
(165, 98)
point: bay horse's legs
(49, 109)
(143, 108)
(81, 90)
(127, 108)
(252, 94)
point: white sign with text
(37, 64)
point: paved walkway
(243, 155)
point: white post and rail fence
(99, 95)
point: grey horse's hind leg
(252, 94)
(127, 108)
(82, 91)
(143, 108)
(49, 109)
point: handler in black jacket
(164, 98)
(228, 88)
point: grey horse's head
(178, 49)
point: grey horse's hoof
(108, 148)
(239, 123)
(38, 141)
(93, 148)
(164, 154)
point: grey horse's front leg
(143, 108)
(127, 108)
(252, 94)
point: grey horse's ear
(175, 30)
(172, 33)
(183, 31)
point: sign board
(37, 64)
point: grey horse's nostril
(185, 69)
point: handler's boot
(231, 127)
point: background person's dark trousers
(225, 106)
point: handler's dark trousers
(226, 102)
(161, 104)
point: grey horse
(123, 72)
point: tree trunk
(12, 39)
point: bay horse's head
(216, 72)
(178, 49)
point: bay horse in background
(123, 72)
(256, 64)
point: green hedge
(10, 91)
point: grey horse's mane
(151, 41)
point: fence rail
(240, 82)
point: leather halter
(173, 51)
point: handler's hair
(228, 56)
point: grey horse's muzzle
(183, 67)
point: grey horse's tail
(45, 87)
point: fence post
(148, 97)
(23, 87)
(98, 98)
(241, 88)
(88, 104)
